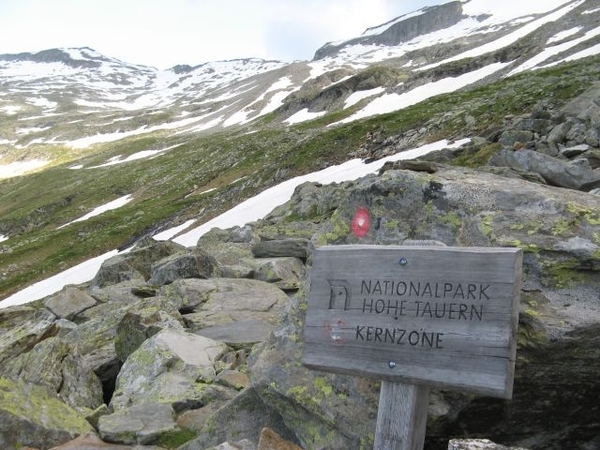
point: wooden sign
(438, 316)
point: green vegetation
(234, 165)
(176, 438)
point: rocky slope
(191, 348)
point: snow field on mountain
(250, 210)
(19, 168)
(303, 115)
(394, 102)
(356, 97)
(554, 50)
(115, 204)
(509, 9)
(508, 39)
(133, 157)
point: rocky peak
(402, 29)
(57, 55)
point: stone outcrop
(433, 19)
(173, 367)
(30, 415)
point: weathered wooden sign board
(436, 316)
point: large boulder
(196, 264)
(54, 363)
(90, 441)
(553, 404)
(553, 171)
(242, 418)
(22, 327)
(247, 309)
(141, 323)
(138, 424)
(275, 248)
(135, 264)
(173, 367)
(32, 416)
(69, 302)
(285, 272)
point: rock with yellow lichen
(31, 415)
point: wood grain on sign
(439, 316)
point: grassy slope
(170, 187)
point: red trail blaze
(361, 222)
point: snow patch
(356, 97)
(102, 209)
(31, 130)
(41, 102)
(135, 156)
(118, 135)
(3, 238)
(75, 275)
(303, 115)
(554, 50)
(10, 110)
(563, 35)
(509, 9)
(16, 169)
(394, 102)
(591, 51)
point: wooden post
(402, 411)
(401, 416)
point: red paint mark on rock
(361, 224)
(335, 330)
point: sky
(164, 33)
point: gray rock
(586, 106)
(554, 171)
(94, 339)
(571, 152)
(115, 270)
(141, 323)
(135, 264)
(183, 265)
(244, 444)
(173, 367)
(511, 137)
(54, 363)
(242, 418)
(593, 157)
(138, 424)
(220, 301)
(90, 441)
(22, 327)
(285, 272)
(558, 134)
(281, 247)
(69, 302)
(32, 416)
(241, 333)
